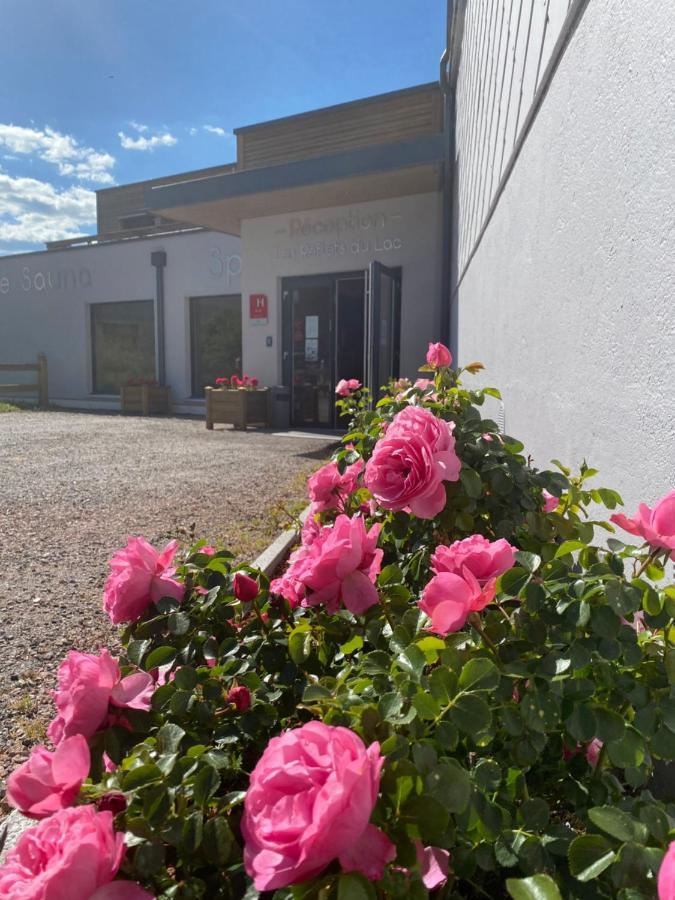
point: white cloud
(215, 129)
(192, 131)
(138, 127)
(33, 211)
(146, 143)
(62, 150)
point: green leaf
(589, 855)
(629, 750)
(582, 724)
(299, 645)
(205, 785)
(471, 482)
(186, 678)
(315, 692)
(537, 887)
(479, 674)
(354, 886)
(529, 561)
(218, 840)
(351, 646)
(568, 547)
(160, 657)
(389, 706)
(513, 581)
(426, 706)
(169, 737)
(412, 660)
(141, 775)
(471, 714)
(450, 784)
(618, 824)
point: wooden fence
(40, 387)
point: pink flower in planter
(328, 488)
(550, 501)
(483, 558)
(666, 879)
(74, 853)
(449, 599)
(49, 781)
(656, 526)
(254, 382)
(245, 588)
(222, 381)
(309, 802)
(439, 356)
(411, 462)
(139, 576)
(87, 685)
(347, 386)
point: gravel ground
(73, 486)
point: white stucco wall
(569, 297)
(402, 232)
(45, 299)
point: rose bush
(457, 687)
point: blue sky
(101, 92)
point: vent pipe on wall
(158, 260)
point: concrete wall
(568, 297)
(400, 232)
(45, 299)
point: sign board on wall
(257, 309)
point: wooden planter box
(145, 400)
(240, 408)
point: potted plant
(146, 397)
(237, 401)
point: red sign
(257, 308)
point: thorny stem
(474, 618)
(650, 559)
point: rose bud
(240, 697)
(245, 588)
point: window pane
(215, 327)
(123, 343)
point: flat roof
(349, 104)
(376, 172)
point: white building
(521, 210)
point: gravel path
(73, 486)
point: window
(215, 337)
(123, 343)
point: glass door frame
(371, 276)
(371, 359)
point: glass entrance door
(383, 324)
(337, 326)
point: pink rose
(433, 864)
(328, 488)
(449, 599)
(550, 501)
(49, 781)
(309, 801)
(666, 879)
(592, 752)
(439, 356)
(656, 526)
(411, 462)
(240, 697)
(340, 567)
(346, 386)
(74, 854)
(311, 527)
(245, 588)
(207, 550)
(87, 685)
(483, 558)
(139, 576)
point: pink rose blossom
(309, 801)
(550, 501)
(346, 387)
(340, 567)
(240, 697)
(433, 865)
(87, 685)
(449, 599)
(245, 588)
(328, 489)
(207, 551)
(49, 781)
(483, 558)
(439, 356)
(139, 576)
(411, 462)
(666, 878)
(656, 526)
(311, 527)
(592, 752)
(73, 854)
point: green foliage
(485, 732)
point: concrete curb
(274, 555)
